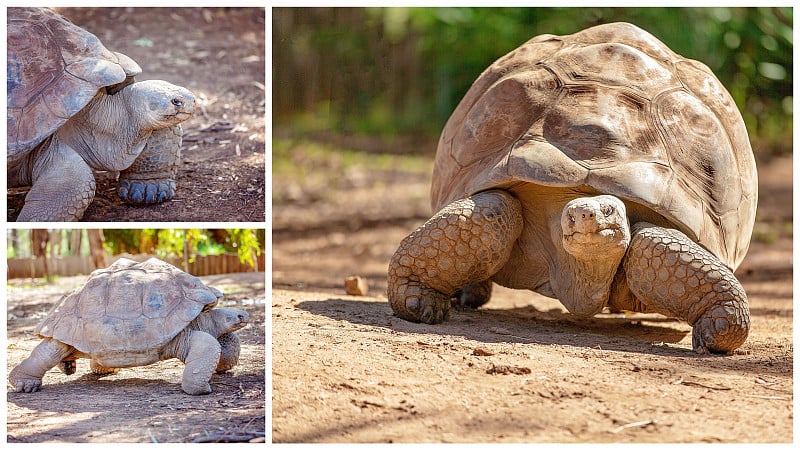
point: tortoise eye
(607, 210)
(177, 102)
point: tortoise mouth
(602, 234)
(598, 243)
(179, 116)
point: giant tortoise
(598, 168)
(73, 107)
(133, 314)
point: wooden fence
(81, 265)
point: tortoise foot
(24, 383)
(464, 244)
(418, 303)
(151, 177)
(68, 366)
(99, 369)
(146, 192)
(473, 295)
(672, 275)
(722, 329)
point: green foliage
(127, 241)
(175, 242)
(247, 245)
(165, 243)
(403, 70)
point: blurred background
(400, 72)
(360, 95)
(50, 253)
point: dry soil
(140, 404)
(520, 369)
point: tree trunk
(55, 242)
(75, 242)
(39, 239)
(185, 253)
(96, 248)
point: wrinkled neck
(105, 133)
(205, 322)
(588, 286)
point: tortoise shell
(610, 110)
(54, 69)
(128, 308)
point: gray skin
(205, 346)
(109, 134)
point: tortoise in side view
(73, 106)
(133, 314)
(598, 168)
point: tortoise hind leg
(675, 276)
(68, 366)
(465, 243)
(99, 369)
(27, 376)
(474, 295)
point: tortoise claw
(429, 306)
(720, 330)
(146, 192)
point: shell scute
(128, 307)
(54, 69)
(609, 109)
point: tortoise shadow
(130, 389)
(71, 406)
(635, 333)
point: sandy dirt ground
(218, 54)
(141, 404)
(520, 369)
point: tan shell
(612, 110)
(54, 69)
(128, 307)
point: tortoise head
(157, 104)
(219, 321)
(595, 228)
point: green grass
(771, 232)
(291, 157)
(319, 170)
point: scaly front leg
(62, 185)
(151, 178)
(466, 242)
(27, 376)
(676, 277)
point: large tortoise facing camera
(599, 168)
